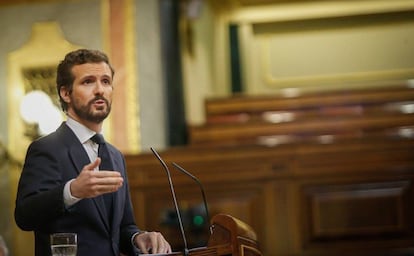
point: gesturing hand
(91, 183)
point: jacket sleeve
(40, 191)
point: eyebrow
(93, 76)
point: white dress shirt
(83, 134)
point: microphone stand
(186, 251)
(202, 191)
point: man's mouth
(99, 103)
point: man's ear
(64, 94)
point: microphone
(186, 252)
(202, 191)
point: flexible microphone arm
(186, 252)
(202, 191)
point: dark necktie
(103, 152)
(106, 164)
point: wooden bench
(315, 117)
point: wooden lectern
(230, 236)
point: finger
(169, 250)
(154, 243)
(103, 189)
(158, 243)
(142, 245)
(118, 181)
(109, 181)
(93, 165)
(108, 184)
(166, 248)
(104, 174)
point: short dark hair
(65, 77)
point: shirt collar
(82, 132)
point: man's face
(91, 97)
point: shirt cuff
(67, 196)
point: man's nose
(99, 88)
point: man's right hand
(91, 183)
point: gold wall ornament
(32, 68)
(29, 67)
(43, 79)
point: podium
(230, 236)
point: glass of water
(63, 244)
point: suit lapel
(117, 196)
(80, 158)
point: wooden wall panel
(357, 209)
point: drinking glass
(63, 244)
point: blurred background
(171, 57)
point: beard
(87, 113)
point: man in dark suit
(63, 188)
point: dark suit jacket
(50, 162)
